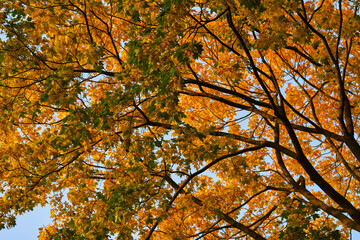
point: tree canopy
(179, 119)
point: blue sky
(27, 225)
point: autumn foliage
(178, 119)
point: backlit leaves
(181, 119)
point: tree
(178, 119)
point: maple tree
(178, 119)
